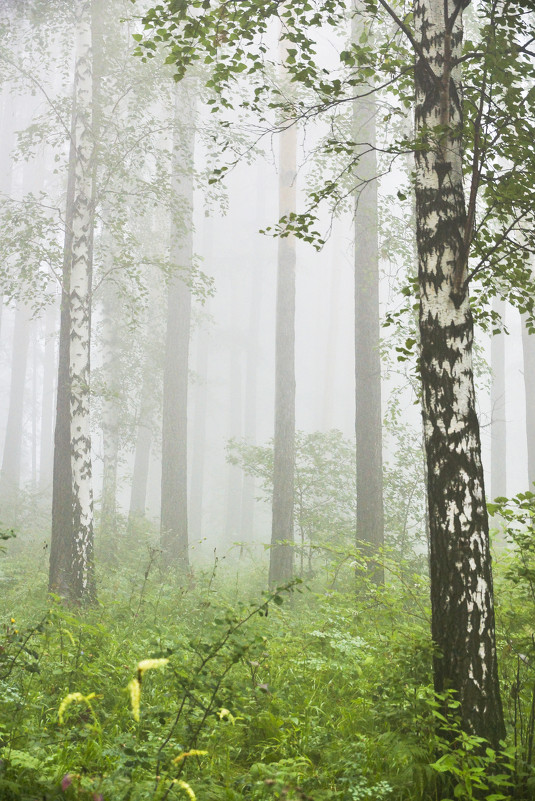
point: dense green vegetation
(320, 690)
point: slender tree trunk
(498, 431)
(46, 447)
(528, 348)
(174, 512)
(368, 415)
(199, 435)
(11, 460)
(461, 578)
(235, 421)
(330, 365)
(140, 474)
(282, 532)
(251, 397)
(110, 417)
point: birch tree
(82, 586)
(460, 562)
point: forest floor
(209, 688)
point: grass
(310, 693)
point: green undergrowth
(208, 687)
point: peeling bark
(460, 562)
(82, 578)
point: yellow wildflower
(185, 754)
(134, 688)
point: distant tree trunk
(368, 414)
(199, 435)
(140, 474)
(498, 431)
(110, 416)
(174, 512)
(329, 371)
(11, 460)
(460, 562)
(46, 448)
(235, 421)
(282, 531)
(251, 396)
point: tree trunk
(498, 431)
(199, 434)
(235, 420)
(47, 404)
(528, 348)
(11, 460)
(251, 397)
(368, 415)
(110, 417)
(282, 533)
(140, 474)
(460, 561)
(174, 513)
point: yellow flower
(134, 688)
(72, 698)
(12, 619)
(149, 664)
(187, 789)
(185, 754)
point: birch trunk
(460, 562)
(174, 511)
(498, 430)
(82, 578)
(368, 415)
(282, 533)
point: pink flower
(66, 781)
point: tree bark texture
(460, 562)
(82, 578)
(282, 533)
(498, 425)
(368, 415)
(174, 501)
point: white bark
(80, 299)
